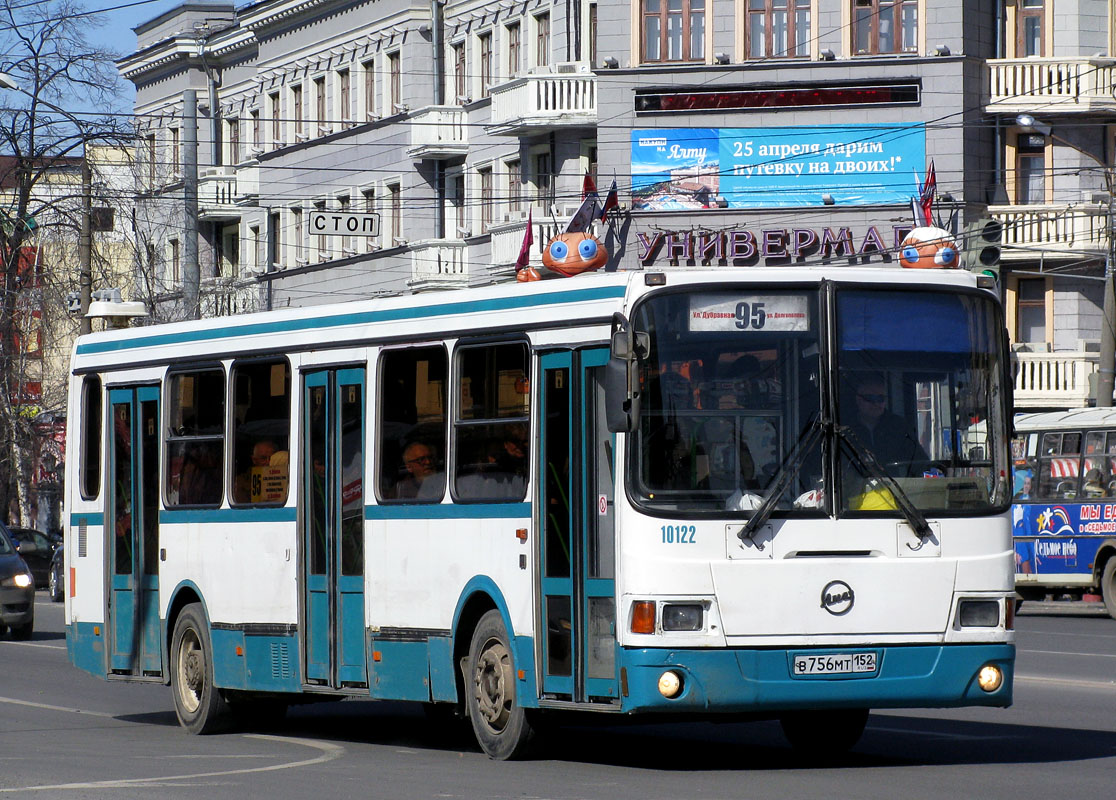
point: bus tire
(1108, 586)
(821, 734)
(499, 722)
(197, 702)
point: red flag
(926, 197)
(525, 249)
(611, 201)
(588, 186)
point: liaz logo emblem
(837, 598)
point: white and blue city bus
(1064, 507)
(632, 493)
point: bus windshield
(733, 396)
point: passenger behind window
(200, 481)
(423, 478)
(498, 470)
(1093, 487)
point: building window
(368, 196)
(296, 106)
(395, 214)
(1030, 169)
(459, 93)
(885, 26)
(276, 136)
(673, 30)
(296, 234)
(542, 40)
(395, 95)
(778, 28)
(1030, 310)
(175, 152)
(257, 248)
(513, 50)
(321, 241)
(320, 107)
(1029, 32)
(257, 142)
(592, 33)
(544, 179)
(458, 200)
(275, 241)
(486, 197)
(368, 69)
(515, 186)
(485, 46)
(343, 94)
(175, 258)
(148, 158)
(234, 141)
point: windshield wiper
(867, 460)
(788, 471)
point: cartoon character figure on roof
(928, 246)
(576, 250)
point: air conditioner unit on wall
(567, 68)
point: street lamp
(1106, 369)
(85, 238)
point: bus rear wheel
(821, 734)
(1108, 586)
(198, 704)
(498, 720)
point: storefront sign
(769, 246)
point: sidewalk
(1062, 607)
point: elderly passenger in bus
(422, 481)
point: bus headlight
(978, 613)
(990, 678)
(682, 617)
(670, 684)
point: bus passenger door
(333, 528)
(133, 613)
(577, 541)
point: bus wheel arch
(184, 595)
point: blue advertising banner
(677, 169)
(1059, 539)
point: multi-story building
(759, 132)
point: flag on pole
(584, 216)
(525, 249)
(612, 200)
(588, 186)
(926, 195)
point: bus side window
(91, 421)
(196, 438)
(491, 424)
(261, 431)
(411, 438)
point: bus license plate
(835, 664)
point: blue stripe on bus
(510, 303)
(267, 514)
(449, 511)
(88, 517)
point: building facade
(738, 133)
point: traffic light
(981, 250)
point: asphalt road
(66, 734)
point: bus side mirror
(621, 406)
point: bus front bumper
(764, 680)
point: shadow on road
(889, 741)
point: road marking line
(48, 707)
(329, 752)
(1081, 683)
(37, 644)
(1064, 653)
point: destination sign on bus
(756, 313)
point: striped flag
(525, 249)
(611, 201)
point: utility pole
(191, 269)
(85, 245)
(1106, 370)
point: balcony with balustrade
(438, 132)
(229, 296)
(1054, 381)
(439, 264)
(541, 102)
(1051, 85)
(1067, 230)
(217, 194)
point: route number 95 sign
(754, 313)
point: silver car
(17, 591)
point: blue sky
(115, 31)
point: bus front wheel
(198, 704)
(498, 720)
(824, 733)
(1108, 586)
